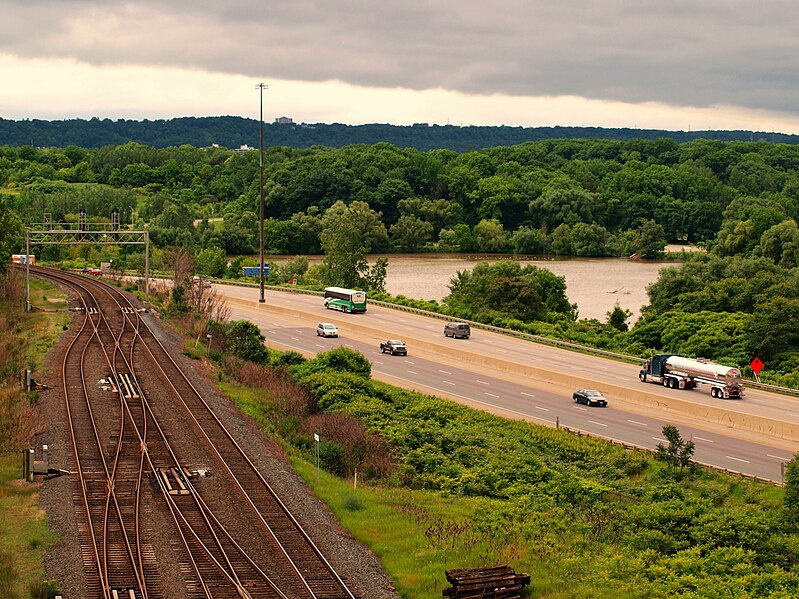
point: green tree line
(233, 132)
(561, 197)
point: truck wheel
(665, 382)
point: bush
(341, 359)
(288, 358)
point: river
(594, 284)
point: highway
(483, 372)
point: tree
(376, 278)
(650, 239)
(780, 243)
(561, 240)
(772, 327)
(678, 453)
(409, 232)
(617, 318)
(247, 342)
(348, 234)
(526, 240)
(489, 235)
(588, 240)
(791, 500)
(508, 290)
(212, 262)
(447, 241)
(10, 238)
(282, 236)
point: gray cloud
(697, 53)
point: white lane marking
(491, 394)
(488, 341)
(322, 346)
(428, 326)
(703, 439)
(500, 351)
(377, 362)
(737, 459)
(659, 439)
(448, 383)
(409, 362)
(580, 408)
(779, 457)
(528, 394)
(791, 414)
(638, 423)
(597, 423)
(294, 339)
(444, 371)
(541, 408)
(481, 382)
(412, 372)
(525, 414)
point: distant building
(284, 120)
(243, 148)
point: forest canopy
(569, 197)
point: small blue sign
(254, 271)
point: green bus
(346, 300)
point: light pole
(261, 87)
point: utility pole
(261, 87)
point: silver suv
(457, 330)
(326, 329)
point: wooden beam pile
(485, 583)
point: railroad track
(144, 438)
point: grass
(253, 402)
(24, 533)
(419, 534)
(405, 529)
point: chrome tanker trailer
(678, 372)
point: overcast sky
(670, 64)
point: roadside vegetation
(25, 338)
(431, 485)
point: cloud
(695, 55)
(66, 88)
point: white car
(326, 329)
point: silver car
(326, 329)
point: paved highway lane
(511, 396)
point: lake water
(594, 284)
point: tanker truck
(678, 372)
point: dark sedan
(590, 397)
(393, 347)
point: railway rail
(144, 439)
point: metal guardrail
(487, 327)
